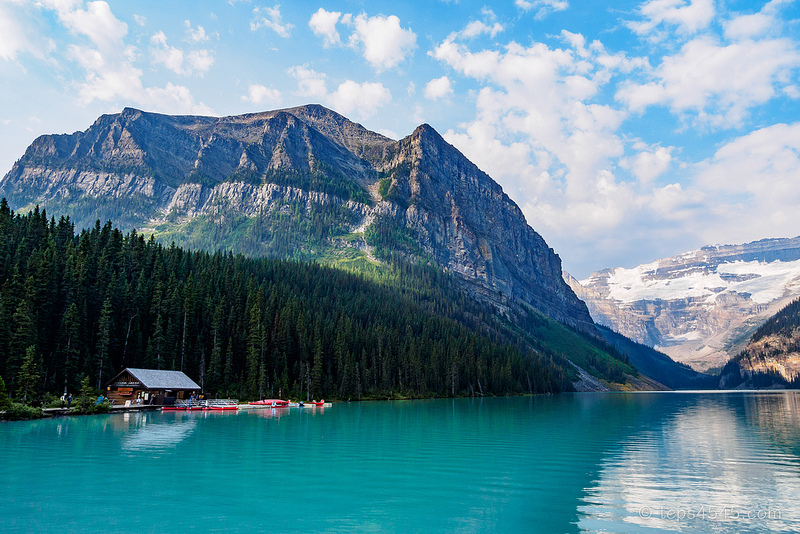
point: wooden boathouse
(150, 386)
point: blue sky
(625, 132)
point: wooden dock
(117, 408)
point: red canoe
(277, 403)
(225, 407)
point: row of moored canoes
(224, 407)
(279, 403)
(233, 405)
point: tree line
(89, 304)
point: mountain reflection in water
(712, 466)
(158, 436)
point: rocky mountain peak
(306, 168)
(350, 135)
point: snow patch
(764, 282)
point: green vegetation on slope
(784, 323)
(657, 365)
(290, 230)
(324, 179)
(128, 212)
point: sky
(626, 131)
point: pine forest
(89, 304)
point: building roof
(155, 379)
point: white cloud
(200, 60)
(753, 180)
(109, 74)
(96, 22)
(385, 43)
(760, 162)
(755, 25)
(361, 99)
(715, 83)
(260, 94)
(381, 39)
(672, 202)
(173, 99)
(163, 54)
(14, 38)
(195, 35)
(748, 26)
(542, 7)
(477, 28)
(538, 133)
(195, 62)
(438, 88)
(140, 20)
(310, 83)
(649, 163)
(323, 24)
(270, 18)
(688, 17)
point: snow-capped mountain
(700, 307)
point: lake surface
(645, 462)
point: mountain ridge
(699, 307)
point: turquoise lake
(643, 462)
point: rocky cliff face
(769, 362)
(701, 307)
(147, 170)
(464, 220)
(772, 358)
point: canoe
(278, 403)
(180, 408)
(223, 408)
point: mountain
(302, 183)
(701, 307)
(771, 358)
(658, 365)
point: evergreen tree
(316, 375)
(5, 327)
(104, 341)
(29, 376)
(69, 350)
(254, 342)
(86, 393)
(5, 402)
(214, 380)
(23, 335)
(228, 373)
